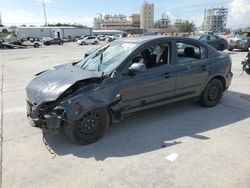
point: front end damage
(50, 93)
(72, 104)
(47, 116)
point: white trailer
(53, 32)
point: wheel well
(222, 79)
(111, 114)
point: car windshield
(107, 58)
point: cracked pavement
(178, 145)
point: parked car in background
(234, 40)
(243, 44)
(31, 41)
(88, 40)
(44, 39)
(66, 39)
(4, 29)
(110, 38)
(101, 37)
(123, 77)
(54, 41)
(82, 37)
(217, 42)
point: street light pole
(45, 17)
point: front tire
(89, 128)
(36, 45)
(212, 94)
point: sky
(30, 12)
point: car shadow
(158, 128)
(239, 50)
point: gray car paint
(122, 93)
(49, 85)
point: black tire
(36, 45)
(90, 128)
(248, 72)
(230, 49)
(212, 94)
(95, 43)
(47, 43)
(60, 43)
(34, 123)
(4, 31)
(83, 43)
(221, 47)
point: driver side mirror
(137, 68)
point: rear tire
(89, 128)
(36, 45)
(95, 43)
(221, 47)
(212, 94)
(83, 43)
(230, 49)
(248, 72)
(4, 31)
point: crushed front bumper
(48, 120)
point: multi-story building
(135, 20)
(147, 15)
(97, 21)
(163, 22)
(110, 22)
(215, 19)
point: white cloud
(85, 20)
(197, 20)
(239, 13)
(171, 16)
(19, 17)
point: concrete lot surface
(178, 145)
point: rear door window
(187, 52)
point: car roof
(141, 39)
(144, 39)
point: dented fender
(82, 103)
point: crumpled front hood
(49, 85)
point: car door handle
(166, 75)
(204, 68)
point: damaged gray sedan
(123, 77)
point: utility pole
(45, 17)
(0, 19)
